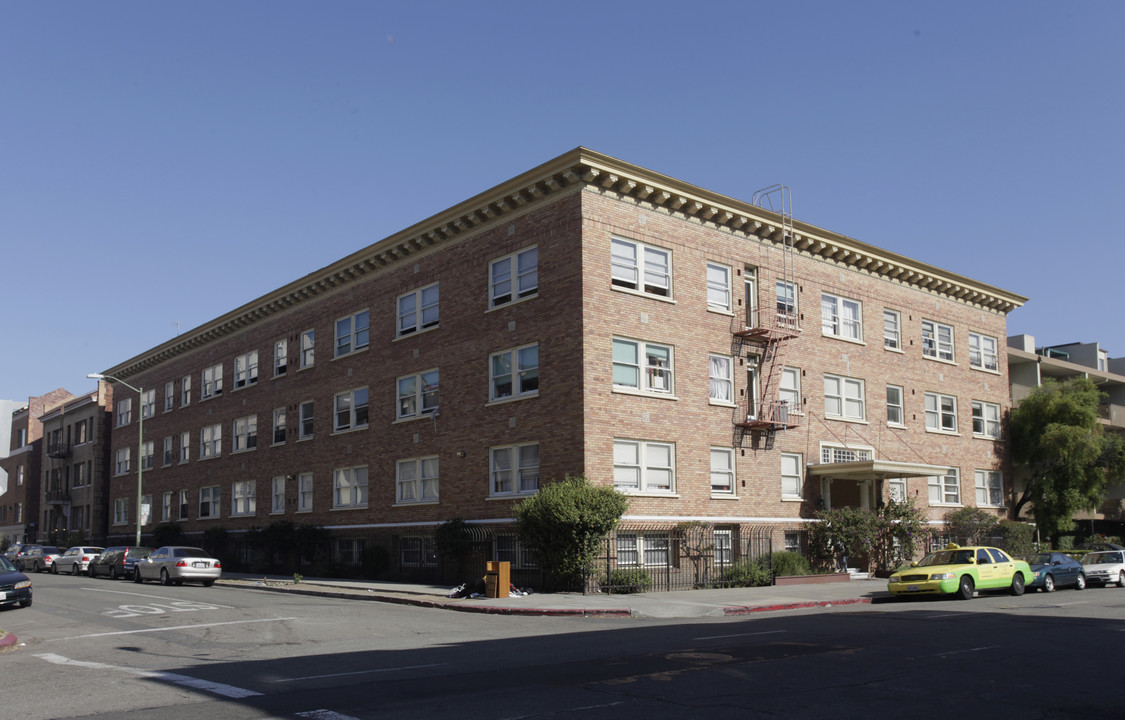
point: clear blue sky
(163, 163)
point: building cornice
(578, 170)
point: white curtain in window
(720, 379)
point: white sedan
(75, 560)
(173, 564)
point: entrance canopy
(875, 470)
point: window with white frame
(786, 304)
(514, 469)
(121, 461)
(836, 453)
(124, 411)
(641, 267)
(417, 480)
(895, 413)
(211, 441)
(792, 542)
(982, 352)
(185, 446)
(417, 395)
(244, 498)
(892, 330)
(844, 397)
(937, 340)
(148, 457)
(718, 287)
(210, 502)
(169, 396)
(185, 391)
(792, 475)
(418, 310)
(514, 277)
(279, 425)
(277, 494)
(946, 489)
(308, 345)
(168, 506)
(789, 391)
(986, 419)
(644, 466)
(120, 511)
(722, 471)
(720, 369)
(280, 357)
(941, 413)
(350, 410)
(841, 317)
(212, 382)
(723, 540)
(148, 403)
(349, 487)
(642, 366)
(352, 333)
(246, 369)
(896, 489)
(184, 504)
(651, 549)
(305, 492)
(306, 421)
(989, 488)
(514, 373)
(245, 433)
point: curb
(793, 606)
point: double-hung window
(417, 480)
(841, 317)
(642, 366)
(120, 511)
(514, 469)
(277, 494)
(210, 441)
(718, 287)
(350, 410)
(514, 373)
(305, 492)
(244, 498)
(121, 461)
(246, 369)
(844, 397)
(305, 430)
(245, 433)
(721, 371)
(349, 487)
(185, 391)
(185, 446)
(149, 455)
(168, 454)
(946, 489)
(169, 396)
(986, 419)
(280, 357)
(168, 506)
(789, 391)
(892, 330)
(279, 425)
(209, 502)
(308, 345)
(148, 403)
(786, 304)
(895, 414)
(941, 413)
(417, 395)
(982, 352)
(937, 340)
(643, 466)
(124, 411)
(352, 333)
(514, 277)
(989, 488)
(722, 471)
(418, 310)
(791, 476)
(640, 267)
(212, 382)
(650, 549)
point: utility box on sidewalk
(497, 578)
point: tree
(566, 522)
(971, 525)
(1067, 456)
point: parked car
(1105, 567)
(961, 571)
(12, 551)
(117, 562)
(17, 559)
(37, 558)
(175, 564)
(1054, 570)
(75, 560)
(15, 587)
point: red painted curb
(793, 606)
(7, 640)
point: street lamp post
(140, 439)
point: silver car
(75, 560)
(173, 564)
(1105, 567)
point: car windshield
(5, 565)
(947, 557)
(1101, 557)
(1039, 559)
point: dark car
(14, 585)
(117, 562)
(37, 558)
(1054, 570)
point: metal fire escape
(762, 334)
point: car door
(1004, 566)
(987, 570)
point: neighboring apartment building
(19, 503)
(716, 361)
(73, 500)
(1029, 366)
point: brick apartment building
(714, 359)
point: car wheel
(1049, 584)
(137, 576)
(25, 603)
(54, 568)
(1080, 583)
(112, 572)
(1121, 579)
(965, 588)
(164, 579)
(74, 569)
(1017, 584)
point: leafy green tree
(1067, 457)
(970, 524)
(566, 523)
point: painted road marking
(177, 627)
(170, 677)
(723, 637)
(154, 597)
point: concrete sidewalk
(675, 604)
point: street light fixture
(140, 438)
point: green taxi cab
(961, 571)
